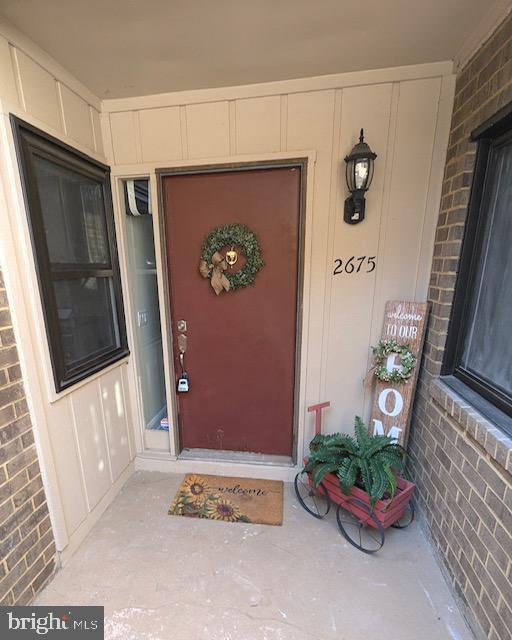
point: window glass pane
(73, 215)
(488, 345)
(145, 249)
(86, 312)
(70, 214)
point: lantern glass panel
(370, 174)
(350, 175)
(361, 173)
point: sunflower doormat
(229, 499)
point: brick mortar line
(474, 77)
(456, 526)
(442, 555)
(468, 414)
(490, 575)
(442, 562)
(23, 397)
(22, 560)
(30, 497)
(459, 492)
(19, 524)
(19, 435)
(42, 553)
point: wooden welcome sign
(404, 322)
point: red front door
(241, 345)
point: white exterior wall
(84, 435)
(405, 113)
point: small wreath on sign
(407, 361)
(215, 266)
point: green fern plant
(369, 461)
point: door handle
(183, 383)
(182, 348)
(182, 343)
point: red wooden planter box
(386, 511)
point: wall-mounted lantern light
(359, 177)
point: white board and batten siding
(84, 435)
(405, 113)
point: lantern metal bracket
(354, 208)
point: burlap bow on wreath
(215, 271)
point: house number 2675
(354, 265)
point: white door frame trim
(168, 461)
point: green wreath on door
(215, 266)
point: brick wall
(461, 463)
(27, 548)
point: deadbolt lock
(182, 325)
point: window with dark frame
(478, 354)
(71, 220)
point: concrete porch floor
(172, 578)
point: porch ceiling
(124, 48)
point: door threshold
(218, 455)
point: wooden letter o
(399, 402)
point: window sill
(54, 396)
(495, 442)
